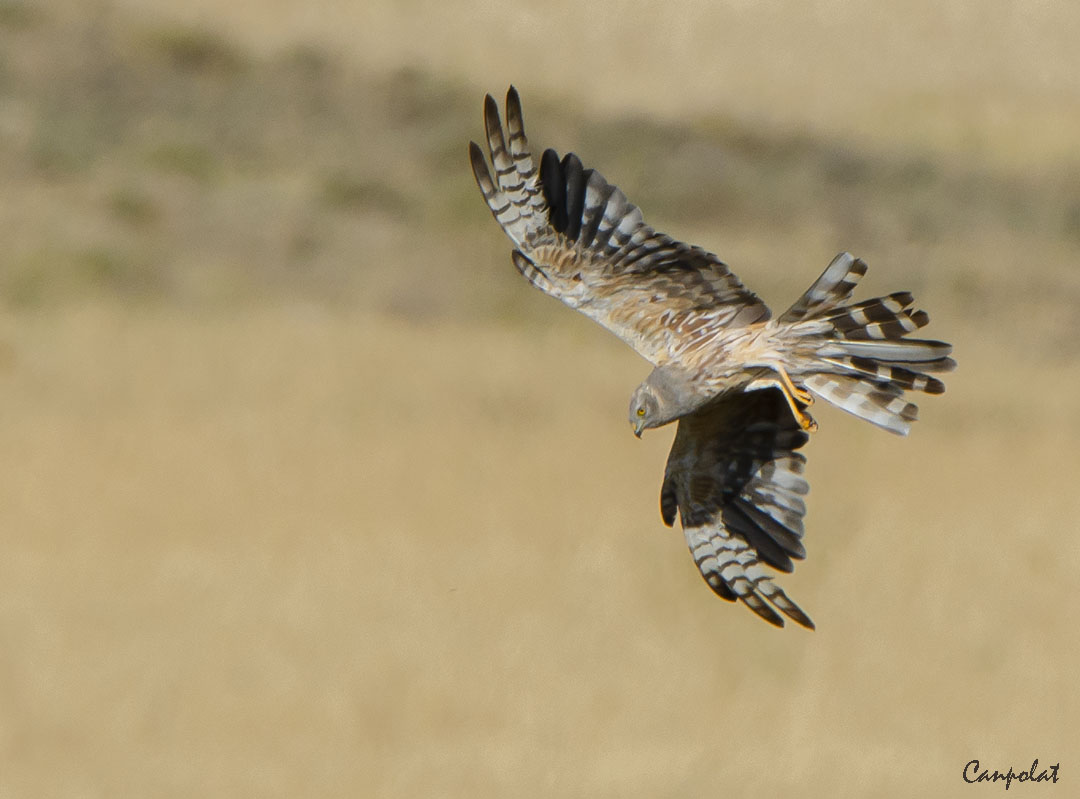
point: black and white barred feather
(579, 239)
(736, 480)
(856, 356)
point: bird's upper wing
(579, 239)
(736, 481)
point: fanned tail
(857, 356)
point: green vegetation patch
(196, 50)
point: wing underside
(735, 478)
(579, 239)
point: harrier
(738, 382)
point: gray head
(663, 397)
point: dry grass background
(307, 494)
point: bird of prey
(738, 381)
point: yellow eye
(640, 411)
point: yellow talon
(795, 397)
(800, 394)
(804, 420)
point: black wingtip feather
(515, 122)
(766, 612)
(554, 185)
(493, 128)
(720, 588)
(476, 156)
(480, 169)
(669, 502)
(769, 550)
(575, 194)
(491, 112)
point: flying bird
(738, 382)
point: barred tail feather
(834, 286)
(905, 351)
(858, 356)
(883, 406)
(901, 377)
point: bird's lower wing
(579, 239)
(736, 481)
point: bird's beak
(639, 425)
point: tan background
(306, 493)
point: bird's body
(738, 380)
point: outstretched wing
(736, 481)
(579, 239)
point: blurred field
(308, 494)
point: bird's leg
(792, 395)
(804, 420)
(800, 394)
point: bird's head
(644, 409)
(665, 395)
